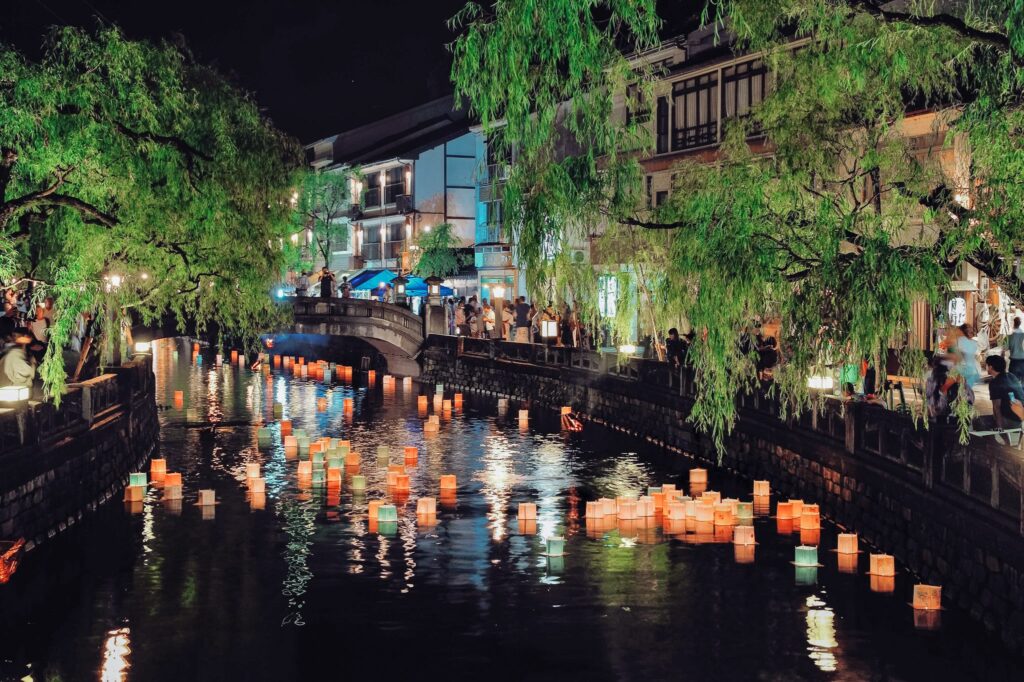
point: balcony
(493, 256)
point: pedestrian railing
(308, 309)
(989, 473)
(35, 425)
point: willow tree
(437, 252)
(134, 178)
(835, 226)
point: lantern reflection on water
(847, 563)
(810, 536)
(645, 507)
(207, 498)
(257, 485)
(134, 493)
(358, 483)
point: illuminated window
(607, 295)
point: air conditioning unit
(403, 203)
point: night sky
(318, 66)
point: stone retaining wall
(58, 464)
(894, 495)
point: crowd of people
(326, 280)
(517, 321)
(25, 335)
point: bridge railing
(984, 471)
(309, 308)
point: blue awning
(371, 279)
(417, 286)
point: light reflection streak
(498, 479)
(116, 650)
(821, 634)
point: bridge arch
(393, 330)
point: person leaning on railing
(1006, 393)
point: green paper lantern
(358, 482)
(137, 479)
(556, 546)
(387, 512)
(806, 556)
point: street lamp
(399, 284)
(13, 394)
(433, 290)
(499, 306)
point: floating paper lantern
(809, 518)
(733, 504)
(438, 402)
(406, 383)
(743, 535)
(457, 400)
(321, 404)
(658, 498)
(402, 482)
(668, 488)
(882, 565)
(810, 536)
(762, 488)
(286, 427)
(179, 398)
(691, 508)
(291, 443)
(593, 511)
(352, 459)
(333, 476)
(524, 415)
(927, 597)
(278, 410)
(383, 452)
(448, 482)
(806, 556)
(421, 403)
(712, 496)
(723, 515)
(218, 359)
(410, 454)
(446, 405)
(676, 511)
(430, 427)
(134, 493)
(172, 479)
(252, 470)
(263, 435)
(348, 404)
(397, 468)
(371, 376)
(372, 507)
(847, 543)
(556, 546)
(502, 404)
(207, 498)
(566, 410)
(157, 467)
(391, 479)
(645, 507)
(698, 476)
(784, 511)
(257, 485)
(608, 506)
(387, 512)
(172, 492)
(318, 476)
(358, 483)
(438, 388)
(426, 506)
(527, 511)
(305, 468)
(744, 511)
(137, 479)
(627, 510)
(798, 508)
(277, 361)
(705, 511)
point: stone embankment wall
(952, 515)
(58, 464)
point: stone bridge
(394, 331)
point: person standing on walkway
(966, 350)
(302, 285)
(489, 318)
(508, 318)
(346, 288)
(1015, 344)
(522, 321)
(326, 283)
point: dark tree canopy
(133, 177)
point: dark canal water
(299, 585)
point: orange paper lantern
(527, 511)
(882, 565)
(286, 427)
(134, 493)
(448, 482)
(698, 476)
(426, 506)
(157, 467)
(784, 510)
(847, 543)
(761, 488)
(172, 479)
(927, 597)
